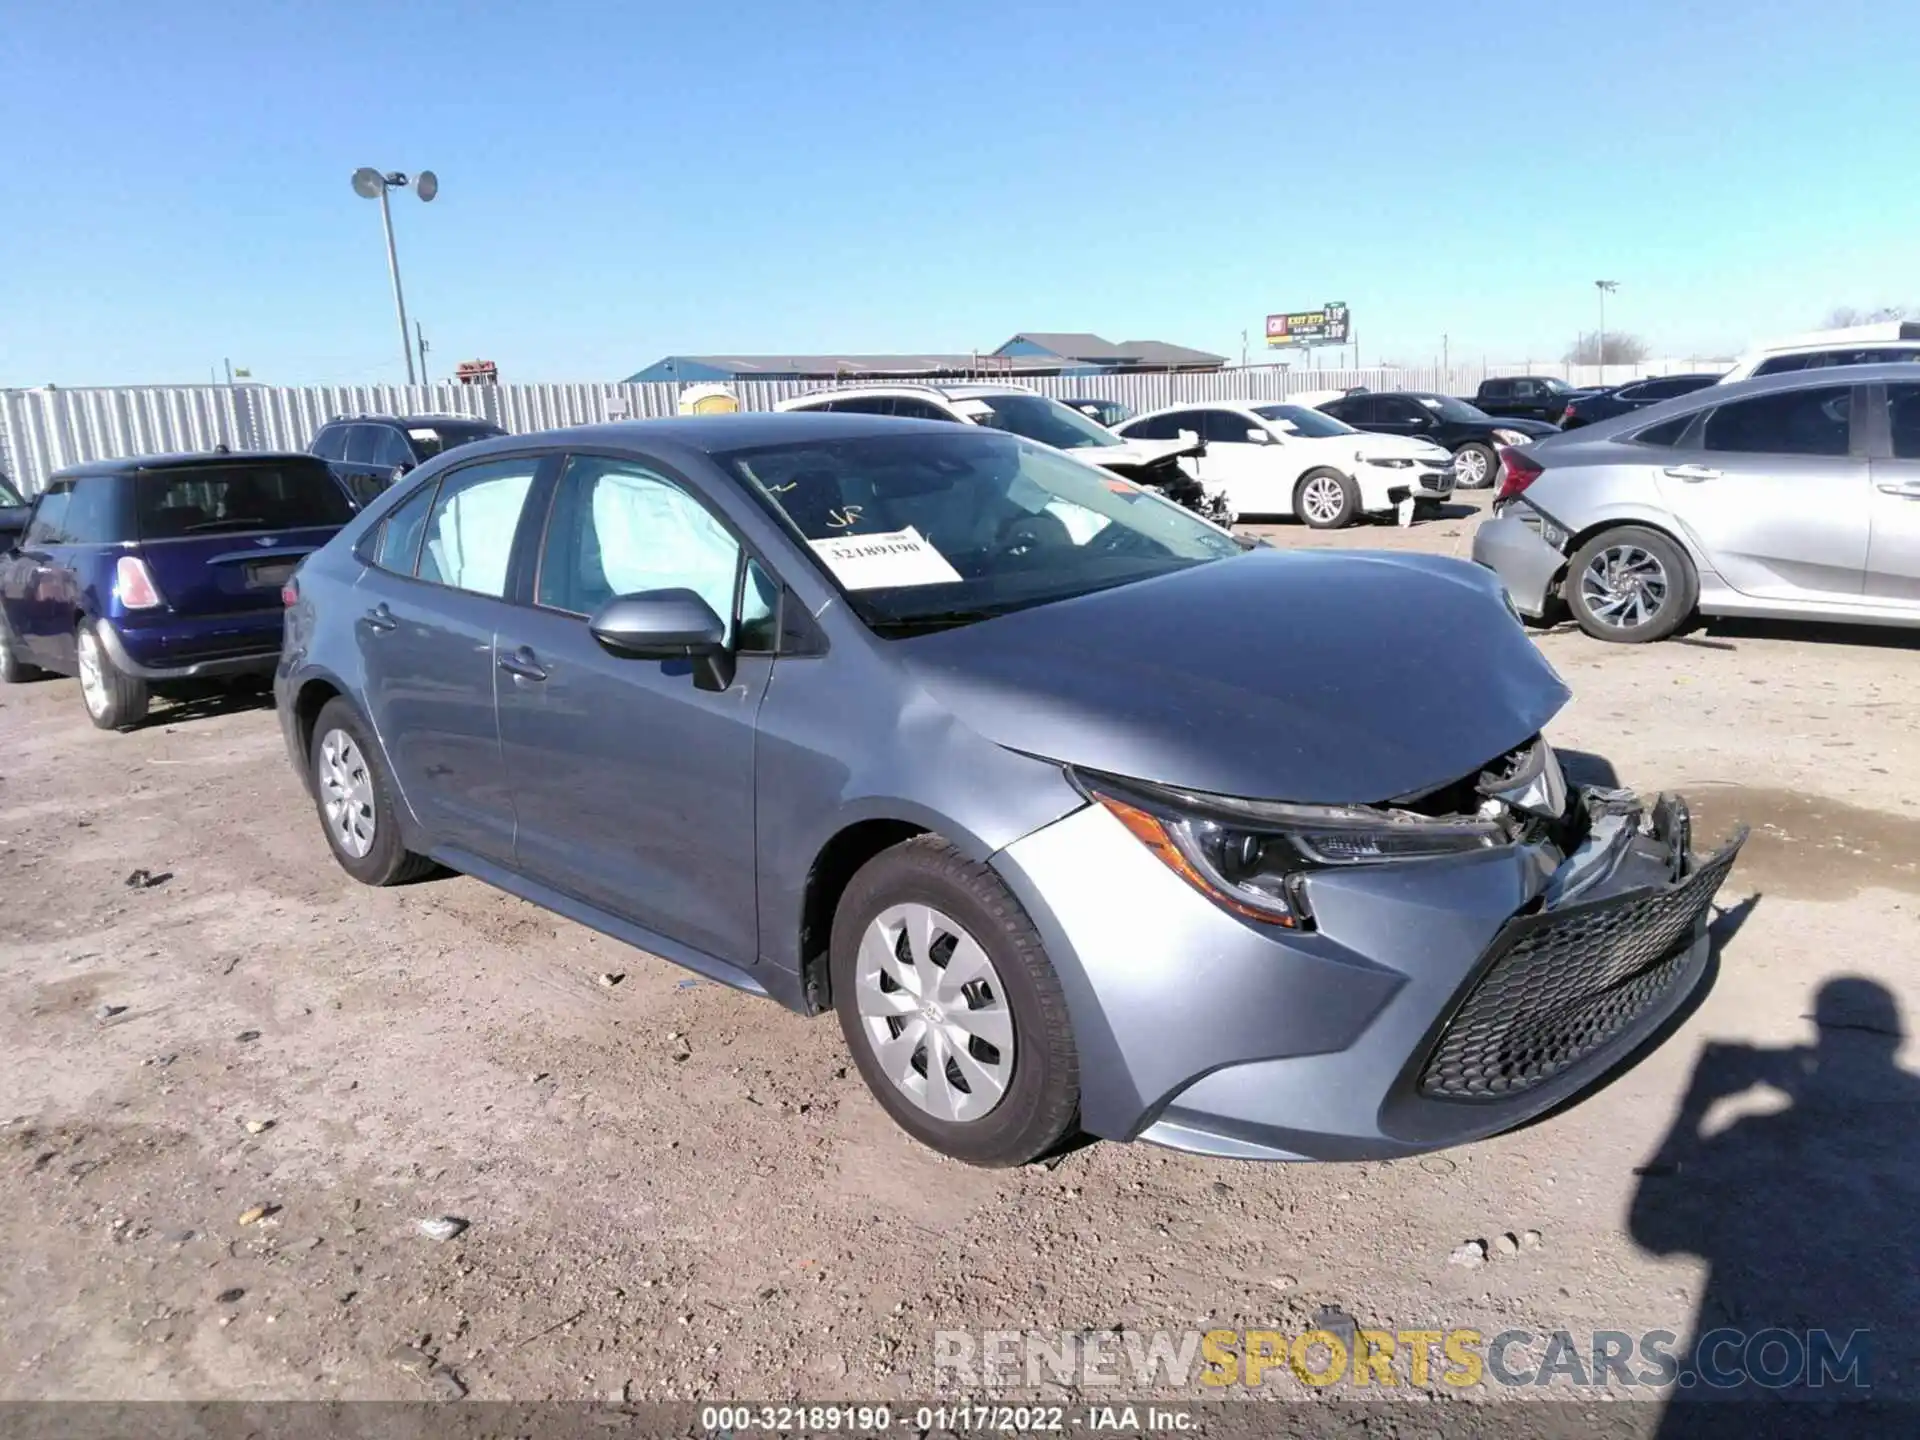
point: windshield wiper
(227, 523)
(933, 620)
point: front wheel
(114, 699)
(1326, 499)
(1474, 465)
(951, 1008)
(1630, 585)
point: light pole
(371, 184)
(1605, 287)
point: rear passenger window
(469, 535)
(390, 446)
(1798, 422)
(397, 547)
(360, 442)
(1154, 427)
(919, 410)
(1667, 432)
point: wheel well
(836, 864)
(1581, 537)
(307, 705)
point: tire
(345, 769)
(925, 890)
(13, 670)
(114, 699)
(1314, 499)
(1630, 585)
(1474, 466)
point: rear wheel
(13, 669)
(355, 800)
(1473, 466)
(114, 699)
(1326, 500)
(1630, 585)
(953, 1013)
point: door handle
(522, 665)
(1909, 488)
(1693, 474)
(381, 618)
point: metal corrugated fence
(42, 431)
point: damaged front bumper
(1432, 1002)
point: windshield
(927, 531)
(202, 499)
(1298, 420)
(1555, 387)
(431, 439)
(1038, 418)
(1447, 407)
(9, 495)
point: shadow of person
(1806, 1213)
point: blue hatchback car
(134, 572)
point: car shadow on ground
(177, 706)
(1715, 632)
(1791, 1173)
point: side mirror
(1189, 436)
(1257, 436)
(398, 474)
(667, 625)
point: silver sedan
(1796, 496)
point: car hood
(1539, 429)
(1386, 447)
(1136, 452)
(1332, 678)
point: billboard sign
(1326, 326)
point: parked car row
(1078, 814)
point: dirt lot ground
(676, 1191)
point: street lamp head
(368, 183)
(426, 185)
(1607, 285)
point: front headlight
(1512, 437)
(1250, 857)
(1391, 462)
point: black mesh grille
(1560, 984)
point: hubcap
(346, 793)
(1624, 586)
(93, 684)
(934, 1013)
(1470, 467)
(1322, 498)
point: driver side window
(618, 528)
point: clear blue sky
(623, 181)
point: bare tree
(1622, 349)
(1843, 316)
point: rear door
(431, 600)
(1893, 547)
(1775, 490)
(221, 538)
(633, 786)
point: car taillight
(133, 584)
(1571, 410)
(1517, 471)
(290, 593)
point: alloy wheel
(933, 1009)
(93, 680)
(1624, 586)
(346, 793)
(1322, 499)
(1470, 469)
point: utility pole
(1446, 354)
(421, 335)
(229, 365)
(1243, 349)
(1605, 287)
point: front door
(1254, 474)
(430, 604)
(1776, 494)
(38, 586)
(633, 786)
(1893, 550)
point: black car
(370, 452)
(1586, 409)
(1106, 412)
(1524, 397)
(1468, 431)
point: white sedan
(1285, 459)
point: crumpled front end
(1407, 1004)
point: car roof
(707, 434)
(958, 391)
(130, 464)
(423, 419)
(1711, 396)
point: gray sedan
(1795, 496)
(1075, 811)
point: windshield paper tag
(874, 562)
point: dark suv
(138, 571)
(370, 452)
